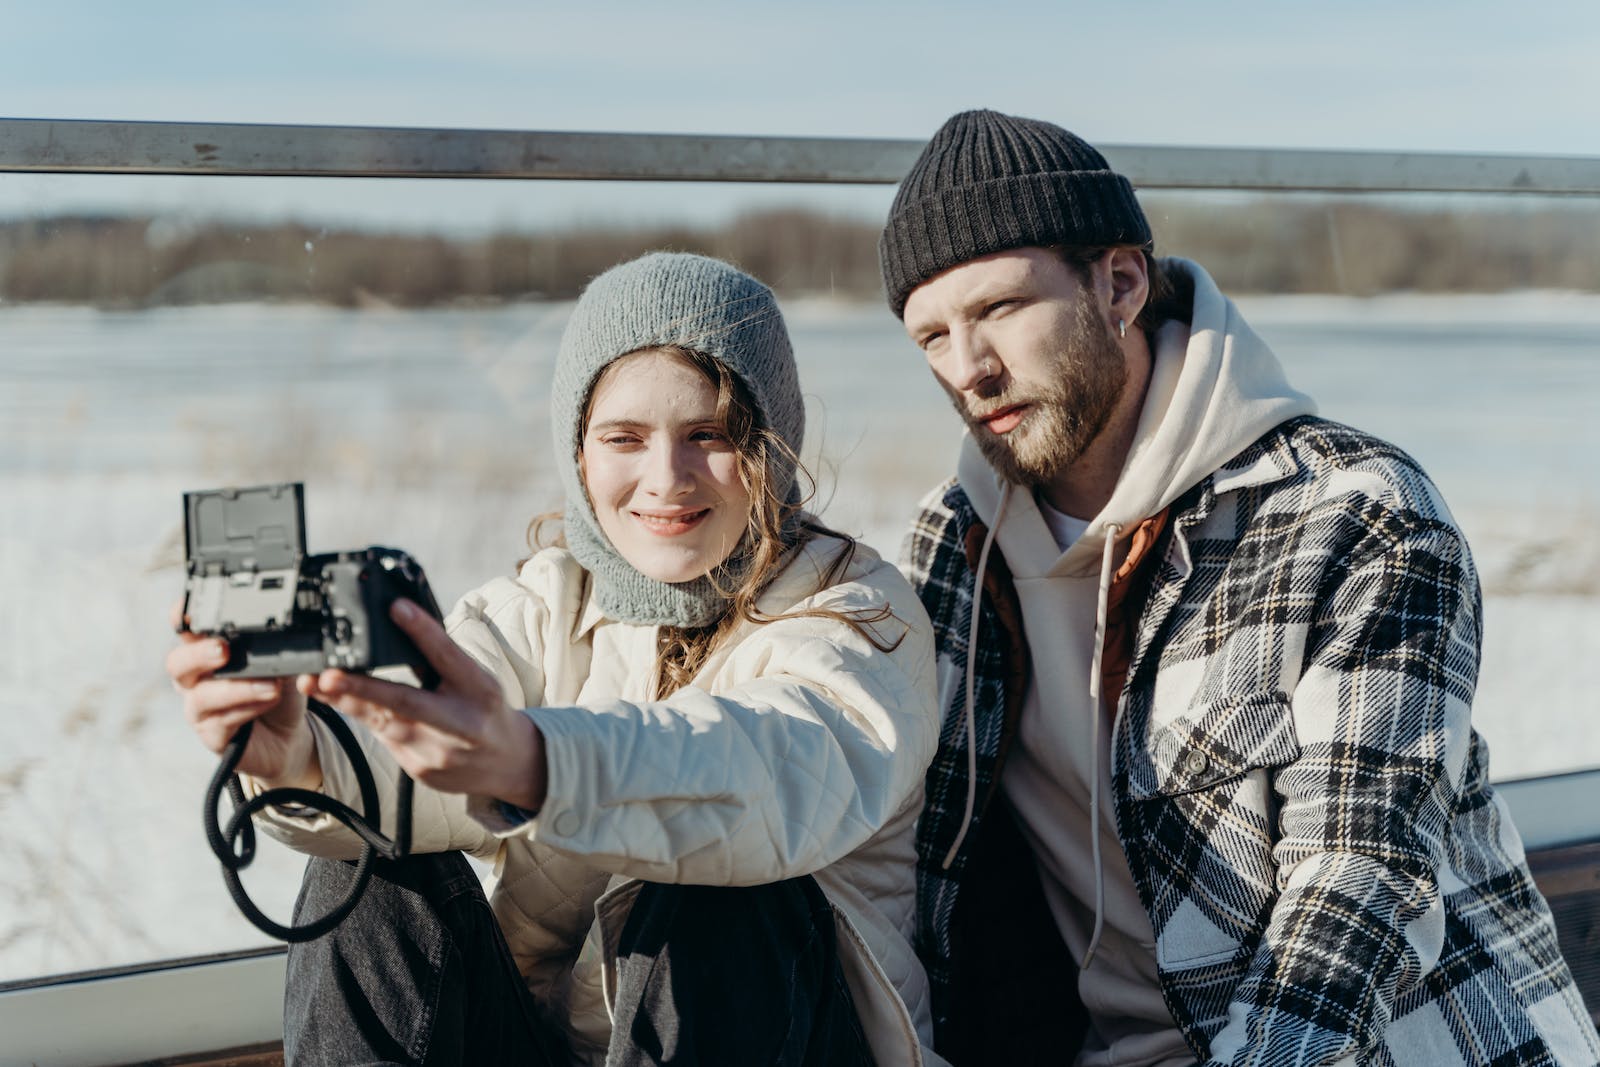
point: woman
(691, 740)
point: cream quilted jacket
(800, 749)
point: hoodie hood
(1215, 387)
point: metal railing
(92, 147)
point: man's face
(1020, 347)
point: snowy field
(427, 430)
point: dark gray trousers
(420, 974)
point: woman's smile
(670, 524)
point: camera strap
(234, 845)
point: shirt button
(1195, 762)
(566, 823)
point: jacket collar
(590, 614)
(1268, 460)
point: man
(1208, 790)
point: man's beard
(1068, 410)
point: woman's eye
(708, 434)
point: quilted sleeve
(810, 741)
(1381, 711)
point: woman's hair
(763, 460)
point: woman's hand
(281, 750)
(459, 738)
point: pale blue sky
(1465, 76)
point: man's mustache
(994, 405)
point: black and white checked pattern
(1298, 788)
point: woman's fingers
(217, 730)
(453, 665)
(377, 703)
(191, 660)
(216, 695)
(437, 736)
(216, 708)
(461, 737)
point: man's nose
(974, 361)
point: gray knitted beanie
(682, 301)
(989, 182)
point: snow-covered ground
(426, 430)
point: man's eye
(999, 306)
(928, 340)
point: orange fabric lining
(1117, 655)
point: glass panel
(1466, 330)
(400, 372)
(389, 343)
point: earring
(1122, 327)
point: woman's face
(661, 473)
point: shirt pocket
(1202, 785)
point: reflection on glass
(401, 373)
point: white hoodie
(1214, 388)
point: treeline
(1362, 248)
(1270, 246)
(142, 262)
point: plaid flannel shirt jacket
(1297, 785)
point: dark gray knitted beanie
(988, 182)
(668, 299)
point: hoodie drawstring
(972, 665)
(1100, 613)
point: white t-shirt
(1066, 529)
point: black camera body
(284, 611)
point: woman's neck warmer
(680, 301)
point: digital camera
(281, 610)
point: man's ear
(1127, 279)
